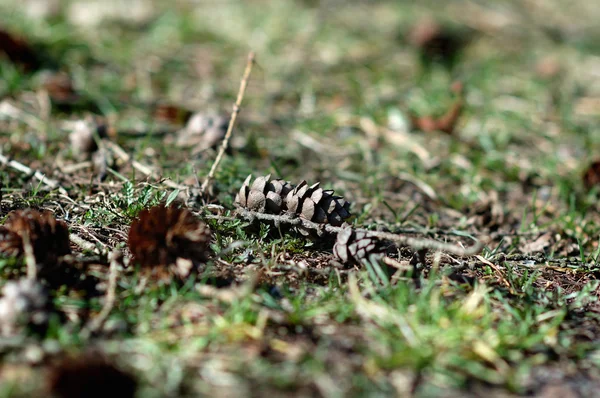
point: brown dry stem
(29, 256)
(116, 259)
(236, 110)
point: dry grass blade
(29, 256)
(97, 323)
(124, 156)
(20, 167)
(236, 110)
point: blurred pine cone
(49, 238)
(168, 237)
(264, 195)
(316, 204)
(25, 304)
(203, 131)
(591, 177)
(83, 136)
(351, 247)
(89, 376)
(439, 43)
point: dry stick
(97, 323)
(415, 243)
(52, 184)
(236, 110)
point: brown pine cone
(316, 204)
(168, 237)
(89, 375)
(264, 195)
(49, 238)
(351, 247)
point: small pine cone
(351, 247)
(169, 237)
(264, 195)
(49, 238)
(89, 376)
(316, 204)
(25, 304)
(203, 130)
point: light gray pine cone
(316, 204)
(25, 303)
(264, 195)
(351, 247)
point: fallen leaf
(538, 245)
(59, 86)
(548, 68)
(171, 114)
(445, 123)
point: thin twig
(72, 168)
(218, 217)
(52, 184)
(402, 266)
(97, 323)
(236, 110)
(29, 256)
(82, 243)
(415, 243)
(142, 168)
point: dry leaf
(171, 114)
(538, 245)
(548, 68)
(445, 123)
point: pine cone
(203, 131)
(264, 196)
(169, 236)
(316, 204)
(351, 247)
(89, 376)
(25, 303)
(49, 237)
